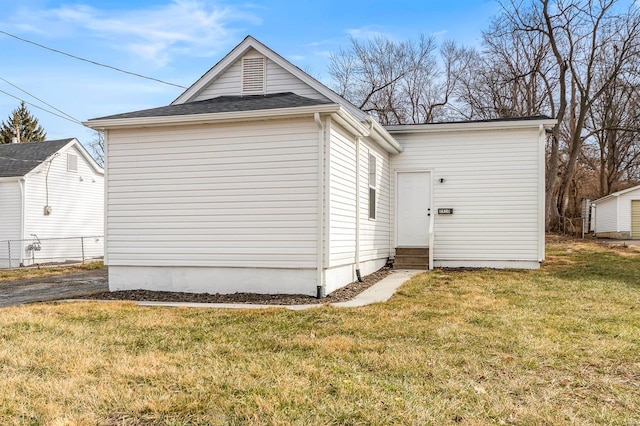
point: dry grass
(554, 346)
(46, 271)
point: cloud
(157, 34)
(440, 34)
(367, 33)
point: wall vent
(72, 163)
(253, 75)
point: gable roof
(251, 43)
(225, 104)
(18, 159)
(184, 110)
(617, 194)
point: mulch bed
(341, 295)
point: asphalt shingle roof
(18, 159)
(225, 104)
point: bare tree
(558, 58)
(612, 147)
(577, 61)
(398, 82)
(97, 147)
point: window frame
(373, 186)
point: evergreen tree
(29, 129)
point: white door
(413, 209)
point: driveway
(53, 288)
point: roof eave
(217, 117)
(384, 138)
(616, 194)
(462, 126)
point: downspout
(358, 274)
(541, 192)
(105, 206)
(23, 200)
(320, 287)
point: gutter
(462, 126)
(217, 117)
(383, 137)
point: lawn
(47, 271)
(560, 345)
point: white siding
(607, 216)
(624, 212)
(375, 233)
(278, 80)
(613, 215)
(77, 205)
(10, 221)
(491, 182)
(342, 199)
(232, 195)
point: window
(253, 75)
(373, 175)
(72, 163)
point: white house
(49, 192)
(258, 178)
(617, 215)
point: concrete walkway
(379, 292)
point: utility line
(90, 61)
(43, 109)
(37, 98)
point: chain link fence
(38, 251)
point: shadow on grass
(592, 262)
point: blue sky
(180, 40)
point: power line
(90, 61)
(35, 97)
(43, 109)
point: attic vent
(72, 163)
(253, 75)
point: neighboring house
(617, 215)
(51, 189)
(258, 178)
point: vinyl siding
(278, 80)
(10, 221)
(491, 182)
(342, 198)
(614, 214)
(375, 233)
(77, 203)
(232, 195)
(607, 216)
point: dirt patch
(341, 295)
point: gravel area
(341, 295)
